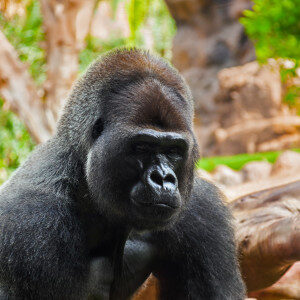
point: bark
(66, 24)
(286, 288)
(268, 233)
(18, 90)
(149, 290)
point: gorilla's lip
(159, 205)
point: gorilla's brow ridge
(117, 85)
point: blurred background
(240, 58)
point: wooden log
(268, 233)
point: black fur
(67, 211)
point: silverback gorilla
(112, 197)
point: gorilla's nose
(162, 178)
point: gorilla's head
(130, 119)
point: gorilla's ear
(97, 128)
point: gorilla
(112, 197)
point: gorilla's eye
(97, 129)
(141, 148)
(174, 152)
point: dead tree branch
(268, 233)
(66, 24)
(18, 90)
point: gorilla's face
(140, 168)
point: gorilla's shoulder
(29, 203)
(207, 205)
(206, 191)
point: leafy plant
(15, 143)
(236, 162)
(163, 28)
(274, 26)
(26, 35)
(153, 16)
(137, 12)
(96, 46)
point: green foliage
(137, 12)
(141, 14)
(154, 16)
(15, 143)
(114, 4)
(94, 47)
(26, 35)
(236, 162)
(274, 26)
(163, 28)
(291, 97)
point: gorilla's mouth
(154, 206)
(165, 206)
(155, 212)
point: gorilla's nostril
(170, 179)
(156, 178)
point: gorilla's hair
(112, 197)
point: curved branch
(19, 92)
(66, 24)
(268, 233)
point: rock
(249, 92)
(209, 37)
(287, 163)
(226, 176)
(256, 170)
(209, 44)
(250, 114)
(202, 81)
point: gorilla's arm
(197, 258)
(42, 247)
(139, 257)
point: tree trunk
(66, 24)
(18, 90)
